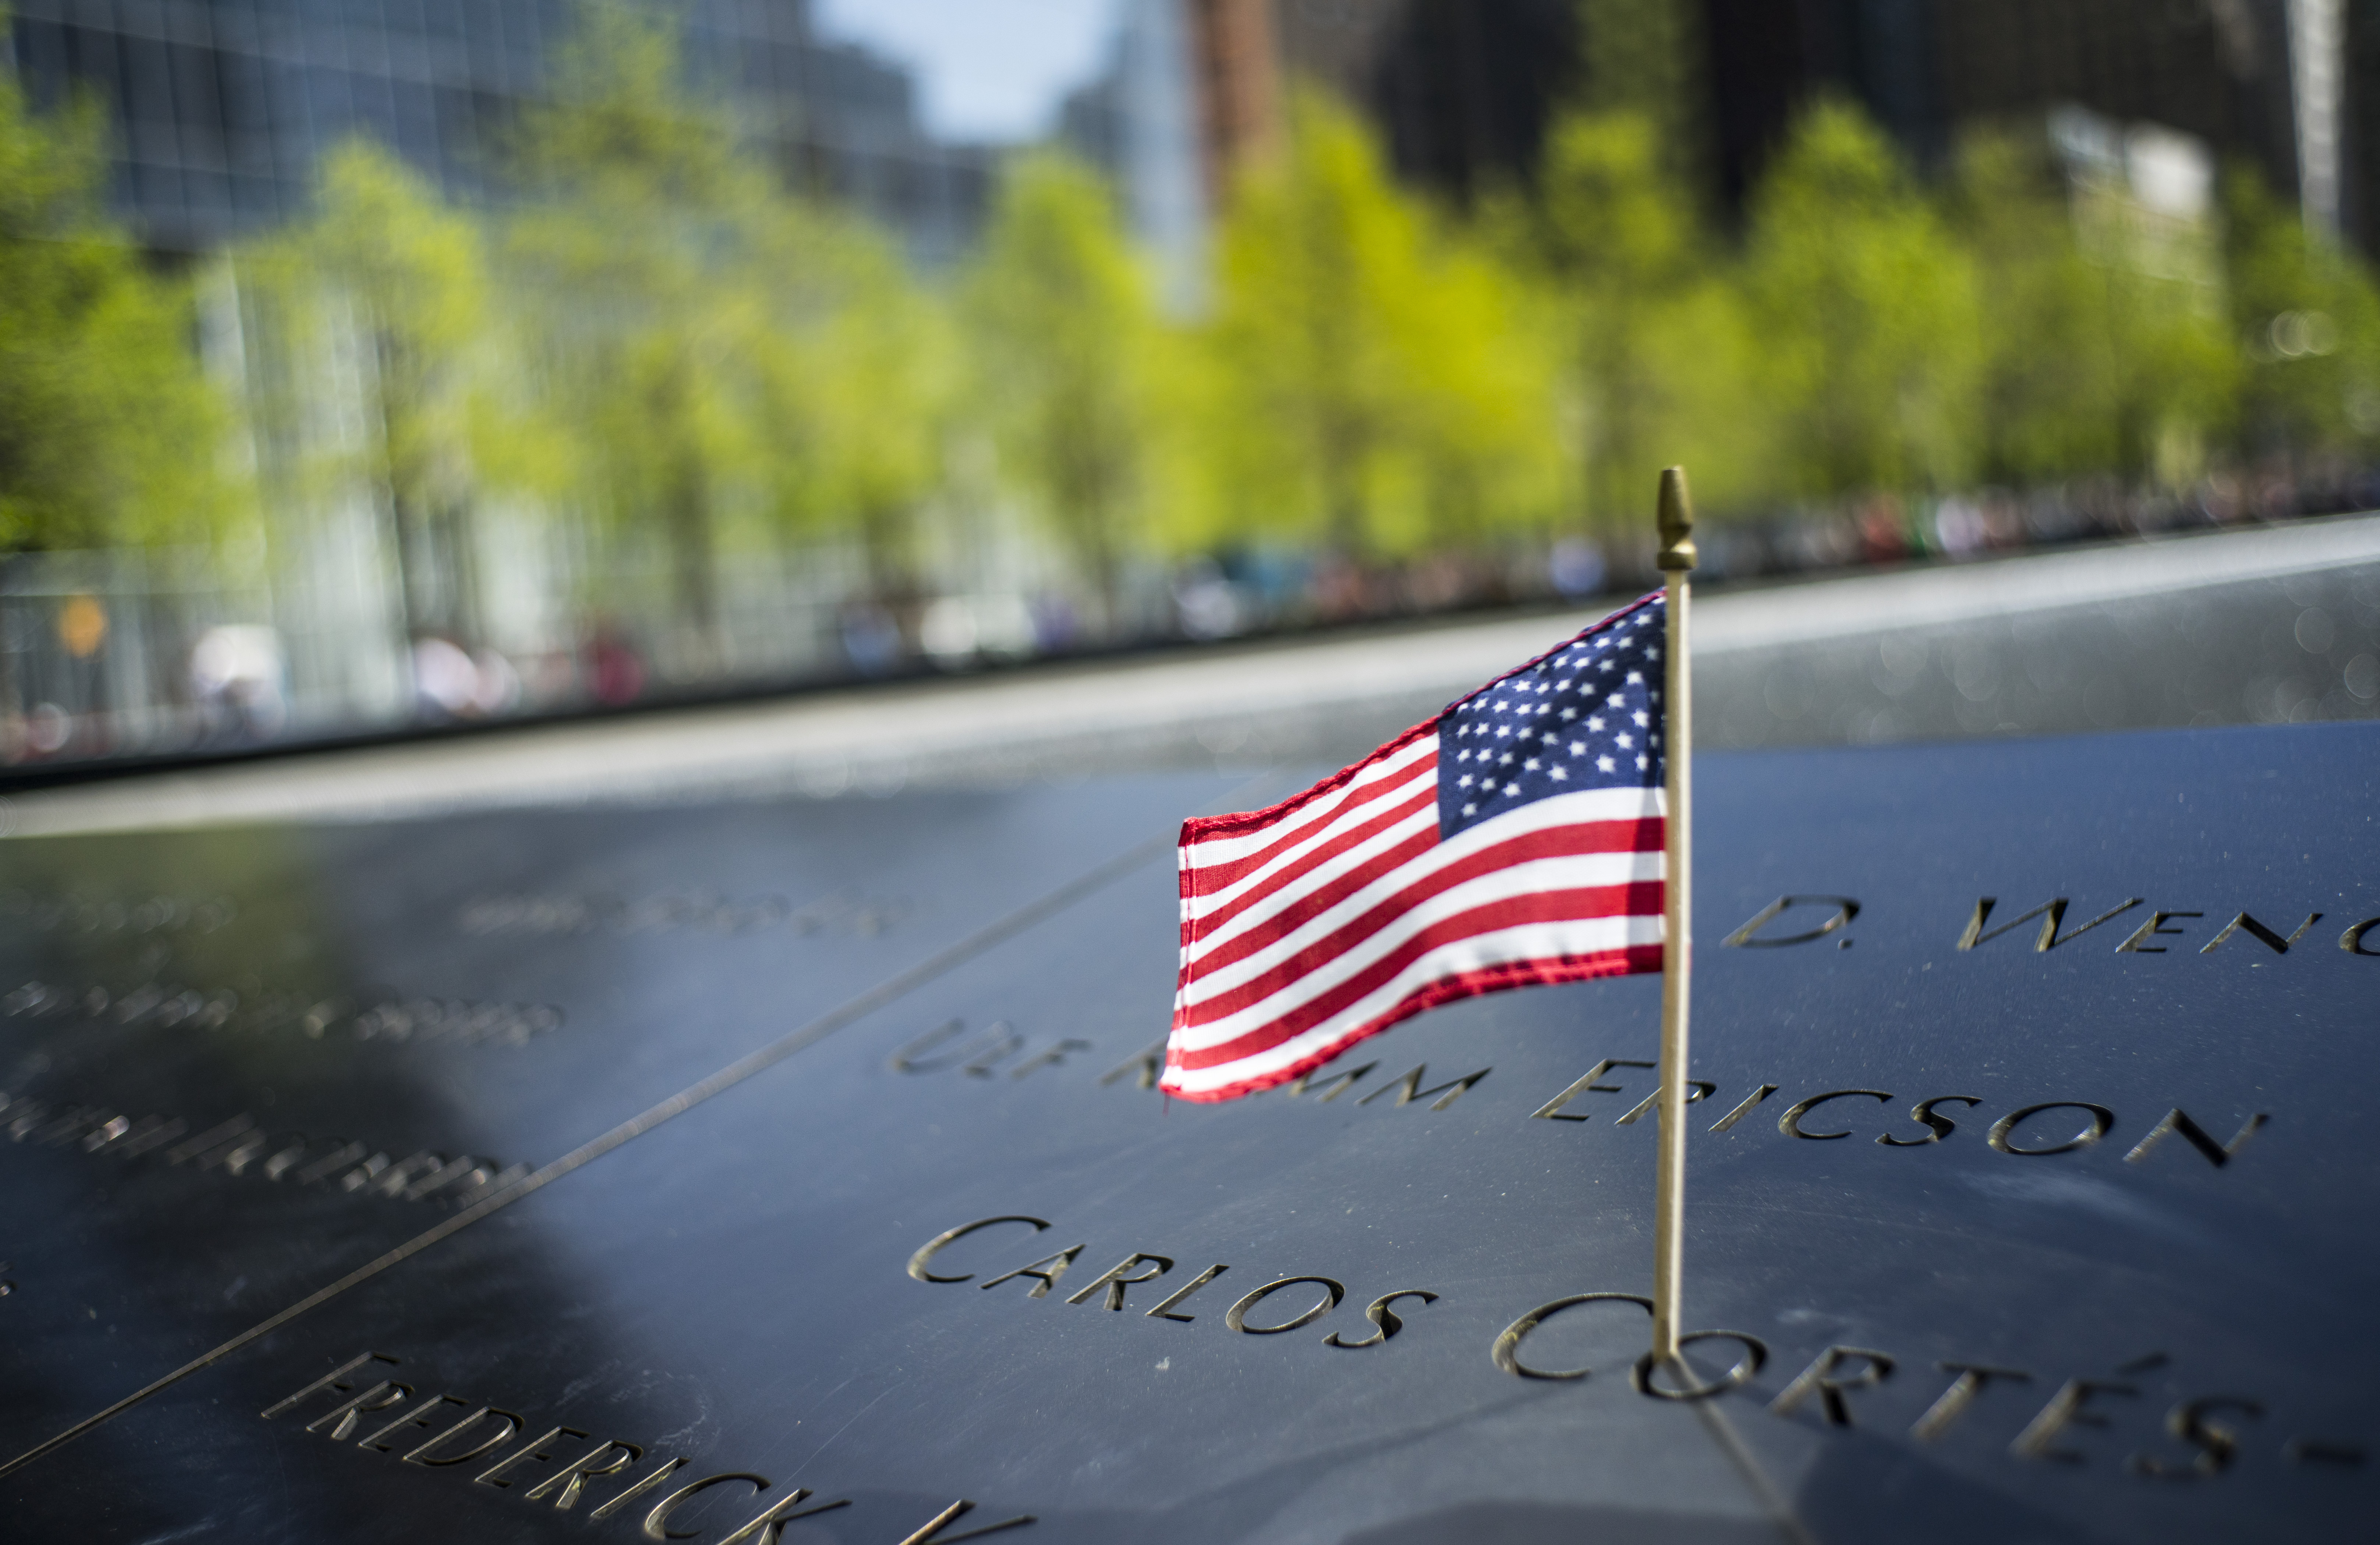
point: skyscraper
(221, 108)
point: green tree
(2308, 317)
(109, 432)
(720, 358)
(1639, 59)
(618, 260)
(875, 387)
(1485, 447)
(386, 268)
(1066, 332)
(1367, 368)
(1654, 347)
(2106, 359)
(1866, 314)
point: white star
(1526, 735)
(1604, 764)
(1644, 719)
(1470, 809)
(1511, 788)
(1498, 705)
(1652, 740)
(1503, 731)
(1504, 760)
(1622, 741)
(1463, 781)
(1604, 666)
(1640, 764)
(1578, 747)
(1595, 722)
(1545, 708)
(1557, 774)
(1635, 676)
(1462, 756)
(1570, 713)
(1530, 765)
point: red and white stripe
(1331, 916)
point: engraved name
(2202, 1434)
(88, 915)
(562, 1465)
(999, 1048)
(596, 911)
(165, 1005)
(1281, 1305)
(2039, 1130)
(240, 1147)
(1806, 919)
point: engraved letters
(1405, 1088)
(2051, 913)
(2103, 1121)
(1819, 1379)
(1756, 1353)
(496, 1475)
(1506, 1353)
(2138, 943)
(1114, 1280)
(1237, 1317)
(1552, 1110)
(1937, 1125)
(1164, 1311)
(1750, 1103)
(1146, 1266)
(2192, 1423)
(1953, 1401)
(606, 1458)
(1380, 1314)
(335, 1382)
(2178, 1120)
(2273, 941)
(2068, 1407)
(484, 1430)
(1747, 937)
(933, 1246)
(1790, 1122)
(1042, 1281)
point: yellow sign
(82, 626)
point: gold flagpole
(1677, 521)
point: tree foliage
(109, 432)
(2307, 316)
(1065, 334)
(654, 344)
(1867, 312)
(1377, 383)
(715, 353)
(389, 283)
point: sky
(986, 69)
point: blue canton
(1586, 716)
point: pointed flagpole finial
(1677, 521)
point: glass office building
(222, 106)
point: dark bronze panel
(2093, 1268)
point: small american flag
(1514, 839)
